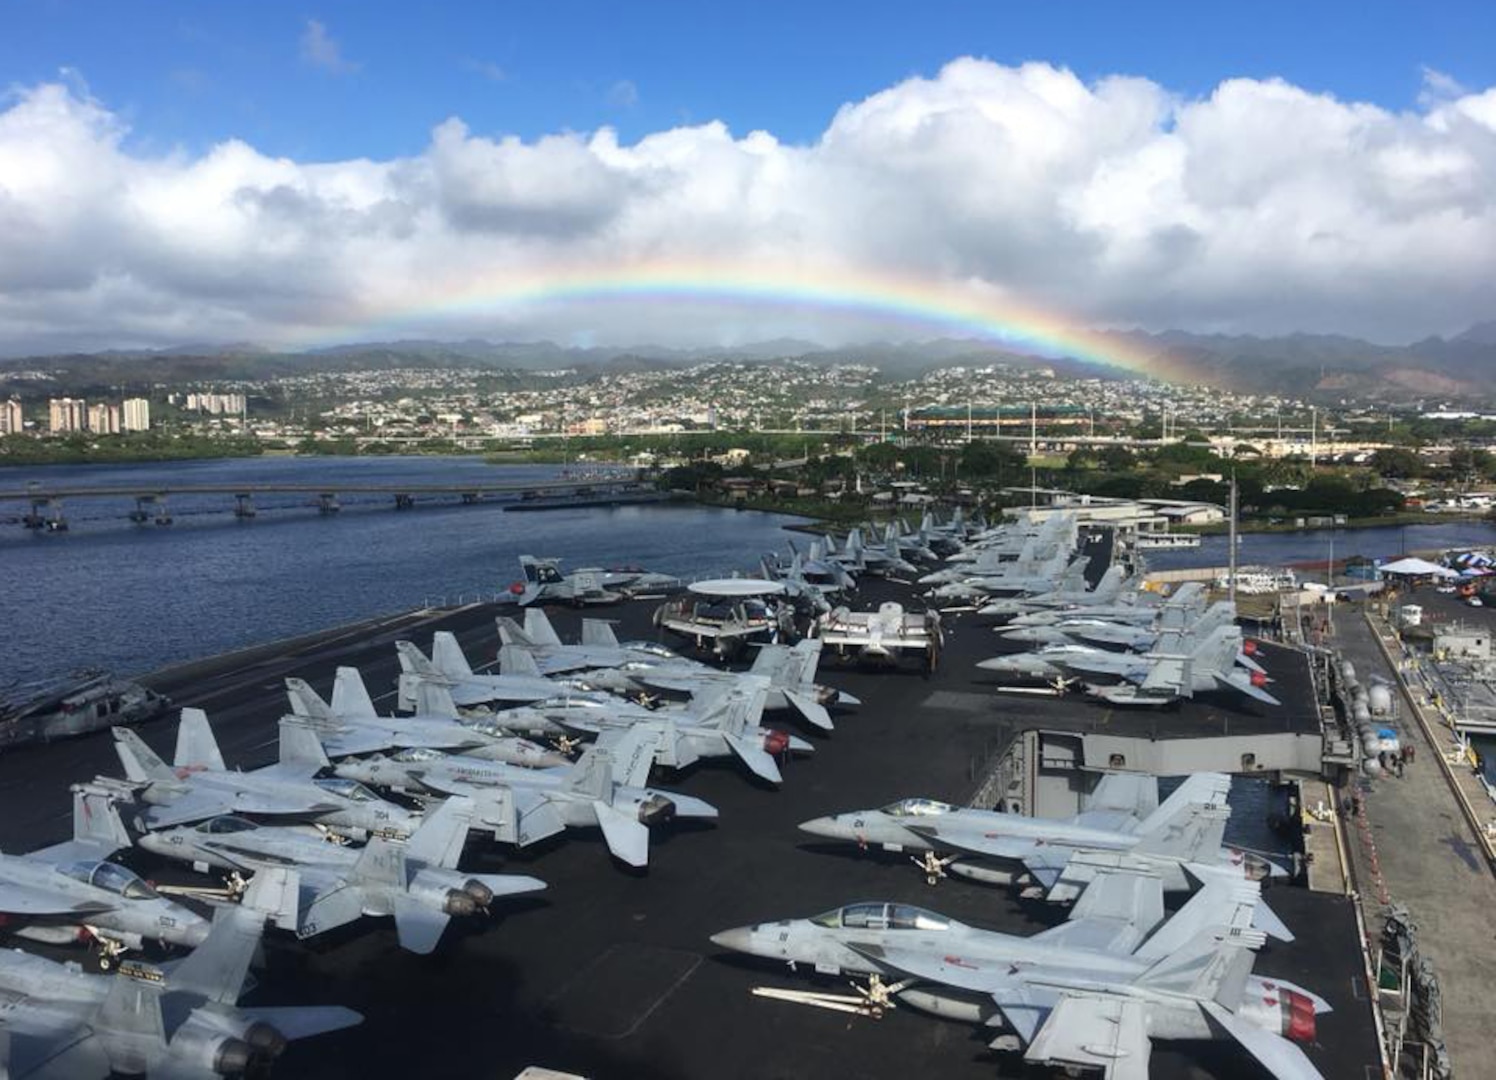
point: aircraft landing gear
(878, 997)
(109, 952)
(932, 865)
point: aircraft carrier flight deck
(610, 973)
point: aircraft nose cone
(736, 939)
(822, 826)
(996, 663)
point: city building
(103, 419)
(137, 414)
(67, 414)
(217, 404)
(11, 421)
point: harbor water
(1320, 545)
(132, 598)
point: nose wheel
(932, 866)
(109, 952)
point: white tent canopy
(1412, 567)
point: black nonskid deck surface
(610, 972)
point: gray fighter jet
(69, 892)
(1224, 660)
(1130, 636)
(1137, 607)
(1070, 597)
(1059, 574)
(182, 1022)
(1180, 840)
(724, 726)
(790, 671)
(860, 557)
(1092, 993)
(350, 725)
(201, 786)
(417, 881)
(544, 583)
(448, 667)
(539, 638)
(1220, 661)
(606, 789)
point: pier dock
(1419, 840)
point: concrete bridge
(45, 501)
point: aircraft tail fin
(1195, 789)
(350, 697)
(1135, 794)
(1220, 904)
(447, 655)
(1213, 964)
(592, 774)
(740, 708)
(1167, 673)
(514, 660)
(275, 892)
(769, 661)
(196, 746)
(216, 969)
(599, 632)
(434, 699)
(306, 702)
(539, 629)
(511, 633)
(300, 746)
(1110, 585)
(96, 819)
(441, 836)
(382, 862)
(1217, 650)
(1194, 833)
(413, 661)
(131, 1015)
(140, 762)
(633, 756)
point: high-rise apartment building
(67, 414)
(137, 414)
(103, 419)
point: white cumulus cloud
(1262, 207)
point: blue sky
(278, 172)
(191, 74)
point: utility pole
(968, 419)
(1313, 436)
(1033, 429)
(1231, 545)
